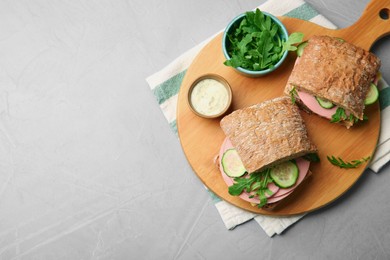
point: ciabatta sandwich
(266, 153)
(333, 78)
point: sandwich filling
(268, 133)
(261, 159)
(260, 192)
(327, 109)
(339, 76)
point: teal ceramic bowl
(283, 34)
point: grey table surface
(89, 168)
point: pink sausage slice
(311, 102)
(278, 193)
(229, 181)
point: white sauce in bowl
(209, 97)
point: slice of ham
(229, 181)
(312, 104)
(278, 198)
(277, 193)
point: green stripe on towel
(214, 197)
(304, 12)
(169, 88)
(173, 126)
(384, 98)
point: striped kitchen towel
(165, 86)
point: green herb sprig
(340, 115)
(256, 44)
(293, 94)
(293, 40)
(257, 182)
(347, 165)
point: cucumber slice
(285, 175)
(324, 103)
(300, 48)
(232, 164)
(372, 95)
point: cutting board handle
(373, 24)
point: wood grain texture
(201, 138)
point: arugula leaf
(258, 19)
(263, 199)
(274, 30)
(264, 188)
(244, 43)
(256, 182)
(255, 44)
(354, 119)
(339, 116)
(294, 38)
(245, 182)
(293, 94)
(342, 164)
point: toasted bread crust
(267, 133)
(337, 71)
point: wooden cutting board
(201, 138)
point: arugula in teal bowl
(256, 43)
